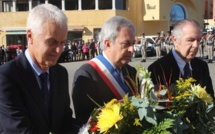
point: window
(71, 4)
(7, 6)
(56, 3)
(16, 39)
(105, 4)
(88, 4)
(121, 4)
(35, 3)
(177, 13)
(208, 9)
(74, 35)
(22, 5)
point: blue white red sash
(110, 76)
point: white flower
(145, 85)
(84, 129)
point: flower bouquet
(184, 110)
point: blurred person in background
(158, 43)
(210, 45)
(143, 47)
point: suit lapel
(195, 70)
(31, 86)
(174, 69)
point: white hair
(112, 27)
(45, 13)
(178, 28)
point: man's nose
(59, 49)
(131, 48)
(196, 43)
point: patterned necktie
(187, 72)
(46, 93)
(119, 70)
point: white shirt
(121, 75)
(37, 70)
(181, 63)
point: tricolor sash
(110, 76)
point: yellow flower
(201, 93)
(132, 108)
(137, 122)
(109, 104)
(184, 84)
(126, 99)
(184, 95)
(108, 117)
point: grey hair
(178, 28)
(111, 28)
(45, 13)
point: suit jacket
(167, 70)
(88, 82)
(21, 103)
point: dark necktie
(187, 71)
(118, 70)
(46, 93)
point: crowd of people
(8, 53)
(34, 91)
(80, 50)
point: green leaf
(94, 101)
(142, 113)
(139, 103)
(144, 110)
(210, 107)
(151, 117)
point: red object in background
(15, 46)
(12, 50)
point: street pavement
(73, 66)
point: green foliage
(144, 110)
(161, 128)
(187, 110)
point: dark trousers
(85, 54)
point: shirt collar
(108, 60)
(181, 63)
(34, 66)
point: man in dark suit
(186, 36)
(106, 76)
(28, 103)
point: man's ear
(29, 36)
(174, 40)
(107, 44)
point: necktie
(44, 86)
(118, 70)
(187, 72)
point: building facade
(209, 14)
(86, 17)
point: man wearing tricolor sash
(108, 75)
